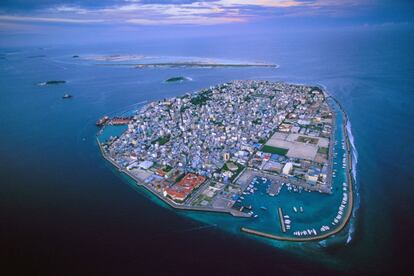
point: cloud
(144, 12)
(47, 19)
(261, 3)
(187, 20)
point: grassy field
(270, 149)
(323, 150)
(236, 173)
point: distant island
(141, 61)
(52, 82)
(199, 65)
(177, 79)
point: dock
(282, 222)
(274, 189)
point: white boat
(301, 208)
(294, 209)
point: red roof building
(181, 190)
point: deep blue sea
(65, 210)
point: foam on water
(354, 157)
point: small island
(52, 82)
(177, 79)
(196, 64)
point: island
(198, 65)
(52, 82)
(231, 149)
(141, 61)
(177, 79)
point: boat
(263, 208)
(294, 209)
(255, 216)
(67, 96)
(301, 209)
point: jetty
(282, 221)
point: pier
(282, 221)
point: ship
(66, 96)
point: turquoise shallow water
(64, 206)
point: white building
(287, 169)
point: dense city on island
(206, 150)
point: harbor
(343, 214)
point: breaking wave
(356, 186)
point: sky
(40, 18)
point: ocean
(65, 210)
